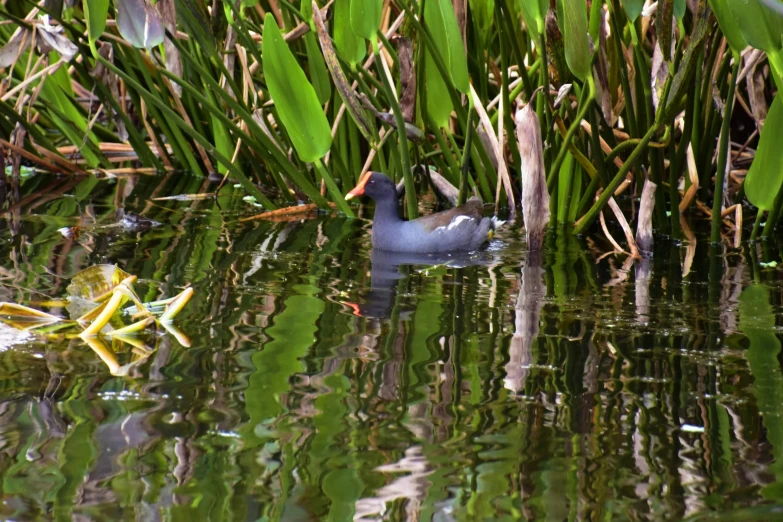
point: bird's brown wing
(473, 208)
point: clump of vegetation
(95, 299)
(294, 100)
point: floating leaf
(366, 18)
(728, 25)
(577, 47)
(295, 99)
(139, 23)
(97, 282)
(765, 176)
(352, 48)
(760, 25)
(95, 14)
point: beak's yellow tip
(349, 196)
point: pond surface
(323, 382)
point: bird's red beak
(358, 190)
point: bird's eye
(372, 182)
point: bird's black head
(375, 185)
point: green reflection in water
(318, 387)
(757, 321)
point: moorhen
(459, 229)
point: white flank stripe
(458, 220)
(146, 28)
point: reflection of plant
(102, 290)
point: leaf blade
(96, 12)
(366, 17)
(765, 176)
(295, 98)
(577, 47)
(458, 61)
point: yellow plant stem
(114, 303)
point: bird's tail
(494, 224)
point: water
(325, 383)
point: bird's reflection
(385, 273)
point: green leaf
(596, 16)
(95, 14)
(564, 179)
(439, 104)
(441, 22)
(679, 9)
(577, 47)
(139, 23)
(318, 73)
(633, 8)
(455, 50)
(728, 25)
(351, 47)
(223, 142)
(765, 176)
(760, 25)
(306, 8)
(482, 12)
(295, 99)
(366, 18)
(533, 12)
(776, 64)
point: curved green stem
(627, 144)
(608, 192)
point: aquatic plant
(259, 91)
